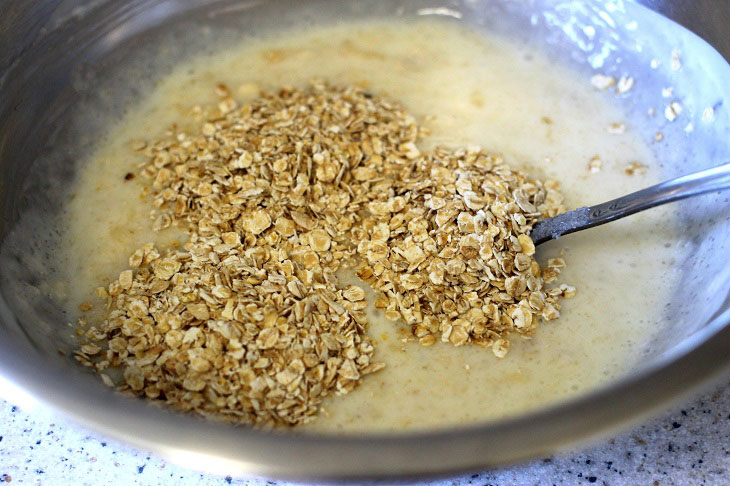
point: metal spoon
(715, 179)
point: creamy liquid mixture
(469, 89)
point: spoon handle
(715, 179)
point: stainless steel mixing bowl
(59, 59)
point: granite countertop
(689, 445)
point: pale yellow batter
(468, 89)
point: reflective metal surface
(61, 59)
(710, 180)
(708, 18)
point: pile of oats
(449, 252)
(248, 322)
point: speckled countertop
(690, 445)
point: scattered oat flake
(635, 168)
(90, 349)
(658, 136)
(602, 81)
(568, 291)
(667, 92)
(672, 111)
(595, 164)
(107, 381)
(625, 83)
(616, 128)
(708, 115)
(222, 90)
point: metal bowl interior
(60, 61)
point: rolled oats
(595, 164)
(635, 168)
(602, 81)
(624, 85)
(248, 322)
(672, 111)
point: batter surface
(468, 88)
